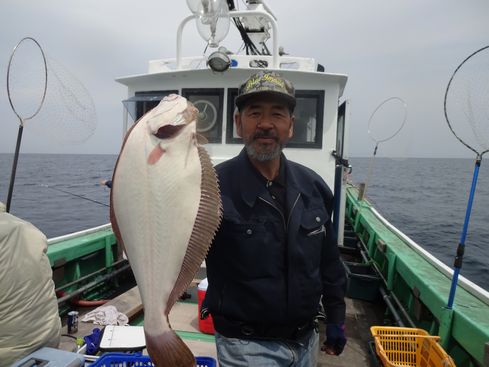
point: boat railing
(466, 284)
(104, 227)
(241, 61)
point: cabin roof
(231, 78)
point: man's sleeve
(333, 278)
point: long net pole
(461, 246)
(22, 119)
(468, 83)
(14, 167)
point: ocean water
(36, 196)
(425, 198)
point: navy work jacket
(265, 267)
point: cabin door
(342, 169)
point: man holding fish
(275, 252)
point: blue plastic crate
(206, 362)
(138, 360)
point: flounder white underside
(156, 208)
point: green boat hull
(422, 285)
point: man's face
(265, 125)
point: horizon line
(351, 157)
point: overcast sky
(407, 49)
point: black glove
(204, 312)
(335, 339)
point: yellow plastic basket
(409, 347)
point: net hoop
(400, 127)
(21, 118)
(479, 154)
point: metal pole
(88, 276)
(93, 283)
(258, 13)
(234, 14)
(179, 39)
(391, 307)
(338, 177)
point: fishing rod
(76, 195)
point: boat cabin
(320, 127)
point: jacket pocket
(315, 232)
(313, 222)
(312, 237)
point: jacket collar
(251, 184)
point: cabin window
(209, 102)
(231, 135)
(340, 130)
(142, 102)
(308, 127)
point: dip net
(466, 102)
(46, 96)
(27, 79)
(466, 108)
(69, 114)
(385, 122)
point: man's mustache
(265, 134)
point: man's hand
(335, 339)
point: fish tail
(168, 350)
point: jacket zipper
(293, 206)
(277, 209)
(286, 224)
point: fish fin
(113, 220)
(168, 350)
(201, 139)
(205, 227)
(155, 154)
(189, 149)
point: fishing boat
(391, 279)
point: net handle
(479, 154)
(23, 119)
(378, 107)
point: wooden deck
(183, 318)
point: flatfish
(165, 209)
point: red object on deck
(206, 326)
